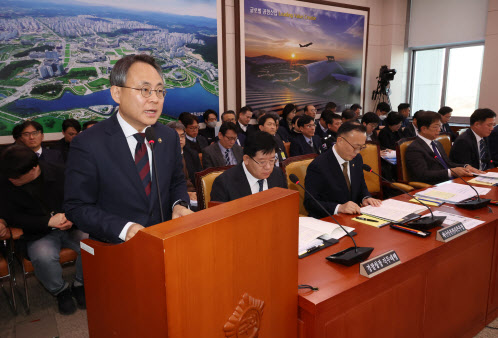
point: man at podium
(111, 190)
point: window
(447, 76)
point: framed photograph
(55, 58)
(301, 52)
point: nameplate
(449, 233)
(87, 248)
(379, 264)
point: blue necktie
(483, 154)
(227, 157)
(260, 182)
(438, 156)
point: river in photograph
(178, 100)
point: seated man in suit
(404, 111)
(411, 130)
(256, 173)
(335, 178)
(382, 110)
(268, 123)
(472, 146)
(356, 108)
(307, 142)
(245, 116)
(322, 129)
(194, 140)
(426, 159)
(348, 116)
(190, 157)
(389, 135)
(229, 116)
(210, 119)
(225, 151)
(370, 121)
(70, 128)
(310, 110)
(32, 136)
(31, 199)
(445, 113)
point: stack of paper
(486, 179)
(452, 192)
(393, 210)
(311, 229)
(451, 219)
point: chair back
(287, 147)
(298, 165)
(445, 140)
(401, 145)
(204, 183)
(371, 156)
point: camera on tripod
(381, 94)
(386, 75)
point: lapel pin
(160, 140)
(352, 165)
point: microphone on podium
(423, 223)
(150, 134)
(346, 257)
(474, 204)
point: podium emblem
(246, 319)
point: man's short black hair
(445, 110)
(289, 107)
(393, 118)
(89, 124)
(226, 126)
(189, 119)
(71, 123)
(262, 119)
(370, 118)
(384, 107)
(330, 105)
(120, 70)
(303, 120)
(16, 131)
(207, 113)
(355, 106)
(403, 106)
(416, 115)
(258, 114)
(481, 115)
(259, 141)
(349, 127)
(326, 116)
(426, 118)
(245, 109)
(33, 124)
(228, 112)
(17, 160)
(348, 114)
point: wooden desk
(439, 290)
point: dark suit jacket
(326, 182)
(320, 133)
(493, 144)
(212, 156)
(465, 149)
(239, 129)
(103, 188)
(63, 147)
(281, 149)
(22, 209)
(422, 164)
(51, 156)
(445, 128)
(388, 139)
(409, 131)
(299, 146)
(199, 145)
(233, 184)
(192, 162)
(284, 131)
(208, 134)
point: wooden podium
(227, 271)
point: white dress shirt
(341, 161)
(253, 181)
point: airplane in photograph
(306, 45)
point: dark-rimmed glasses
(147, 90)
(263, 164)
(360, 148)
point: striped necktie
(227, 157)
(483, 154)
(260, 182)
(142, 162)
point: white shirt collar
(478, 138)
(39, 151)
(128, 130)
(253, 181)
(193, 139)
(243, 127)
(426, 140)
(339, 158)
(308, 139)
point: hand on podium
(132, 231)
(349, 208)
(180, 211)
(371, 201)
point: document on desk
(451, 219)
(452, 192)
(311, 228)
(489, 174)
(393, 210)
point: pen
(366, 219)
(413, 231)
(311, 249)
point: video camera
(386, 75)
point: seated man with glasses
(225, 151)
(194, 140)
(307, 142)
(32, 136)
(335, 178)
(426, 159)
(256, 173)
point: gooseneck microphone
(474, 204)
(423, 223)
(346, 257)
(150, 134)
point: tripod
(381, 94)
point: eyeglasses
(147, 90)
(360, 148)
(33, 133)
(193, 128)
(311, 125)
(232, 139)
(263, 164)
